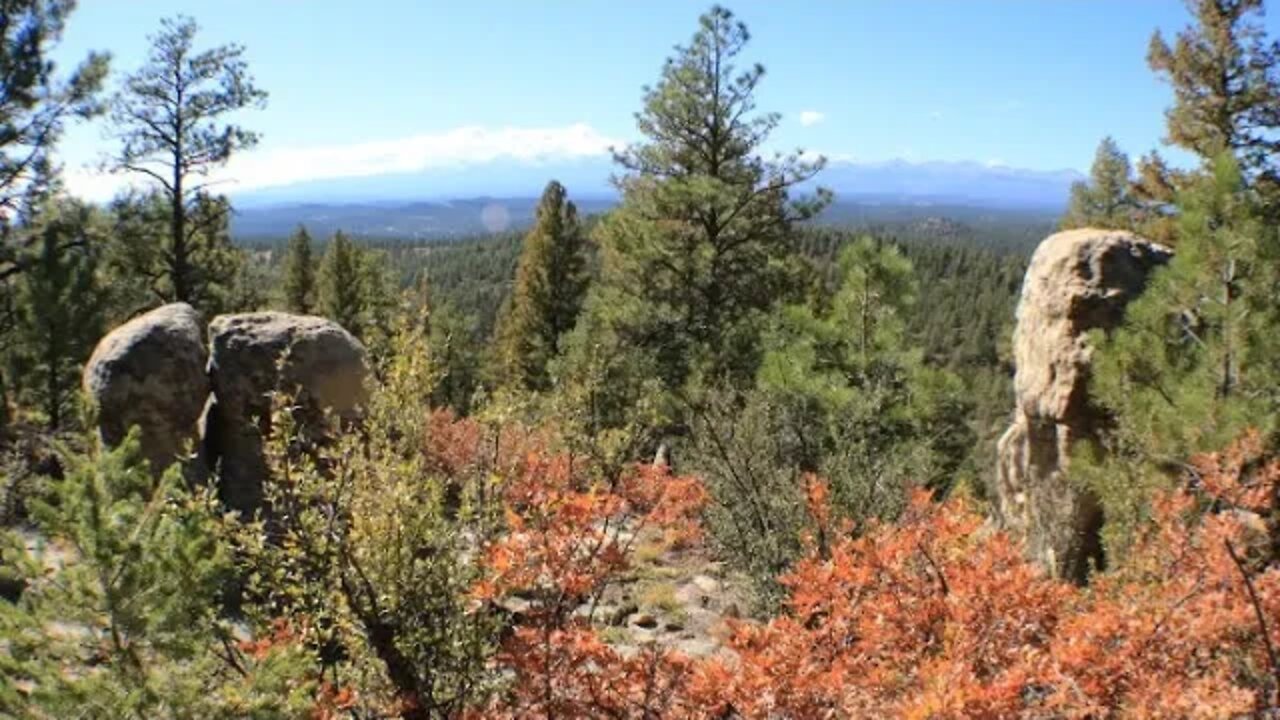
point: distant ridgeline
(1006, 228)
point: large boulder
(255, 354)
(1077, 281)
(150, 372)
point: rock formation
(254, 354)
(1077, 281)
(150, 372)
(155, 372)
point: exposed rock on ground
(155, 372)
(150, 372)
(675, 597)
(1077, 281)
(254, 354)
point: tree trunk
(181, 263)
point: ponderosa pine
(169, 118)
(146, 267)
(841, 392)
(1194, 362)
(1223, 71)
(126, 621)
(702, 244)
(36, 104)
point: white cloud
(811, 117)
(459, 147)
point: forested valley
(726, 449)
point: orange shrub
(566, 539)
(934, 616)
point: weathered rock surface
(150, 372)
(254, 354)
(1077, 281)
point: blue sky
(362, 88)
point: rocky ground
(674, 595)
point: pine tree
(1226, 90)
(148, 564)
(544, 304)
(1106, 200)
(299, 273)
(848, 372)
(456, 356)
(250, 288)
(36, 105)
(148, 269)
(59, 312)
(702, 245)
(1195, 361)
(379, 300)
(341, 296)
(841, 393)
(168, 118)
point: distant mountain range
(417, 220)
(954, 183)
(493, 196)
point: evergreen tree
(843, 394)
(129, 625)
(148, 269)
(250, 288)
(168, 117)
(1226, 92)
(1195, 361)
(544, 304)
(35, 107)
(35, 104)
(379, 300)
(846, 371)
(1106, 200)
(456, 357)
(341, 296)
(59, 312)
(702, 245)
(299, 273)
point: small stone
(515, 606)
(646, 621)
